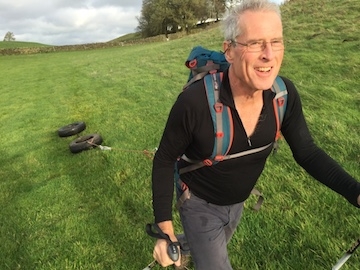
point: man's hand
(160, 253)
(161, 256)
(359, 200)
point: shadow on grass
(115, 202)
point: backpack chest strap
(208, 162)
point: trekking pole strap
(159, 234)
(173, 247)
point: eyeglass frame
(262, 47)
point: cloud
(61, 22)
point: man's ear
(227, 48)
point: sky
(69, 22)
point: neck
(242, 93)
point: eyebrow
(261, 39)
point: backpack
(209, 66)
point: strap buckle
(219, 158)
(218, 106)
(207, 162)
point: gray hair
(231, 19)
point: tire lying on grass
(71, 129)
(85, 143)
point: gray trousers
(208, 229)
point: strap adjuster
(278, 135)
(219, 158)
(219, 134)
(218, 106)
(207, 162)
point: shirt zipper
(249, 141)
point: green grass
(127, 37)
(88, 211)
(20, 44)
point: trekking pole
(346, 256)
(172, 250)
(150, 266)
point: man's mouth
(263, 69)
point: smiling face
(251, 71)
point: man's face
(256, 70)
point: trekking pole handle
(173, 251)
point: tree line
(170, 16)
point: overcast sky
(67, 22)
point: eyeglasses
(260, 45)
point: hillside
(20, 44)
(60, 210)
(330, 20)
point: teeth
(264, 69)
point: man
(254, 48)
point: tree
(9, 36)
(145, 18)
(218, 7)
(166, 16)
(230, 3)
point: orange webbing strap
(278, 133)
(230, 128)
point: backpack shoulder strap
(279, 103)
(223, 124)
(197, 73)
(221, 117)
(224, 130)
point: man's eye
(277, 42)
(255, 44)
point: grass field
(19, 44)
(60, 210)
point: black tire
(85, 143)
(71, 129)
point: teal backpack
(209, 66)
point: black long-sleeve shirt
(190, 130)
